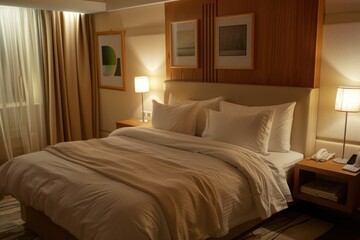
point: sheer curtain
(70, 76)
(22, 124)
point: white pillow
(176, 118)
(282, 125)
(251, 131)
(201, 117)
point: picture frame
(184, 44)
(234, 42)
(111, 60)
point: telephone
(355, 167)
(322, 155)
(352, 159)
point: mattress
(90, 205)
(285, 161)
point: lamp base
(143, 120)
(340, 160)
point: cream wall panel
(342, 6)
(145, 55)
(339, 66)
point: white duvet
(92, 206)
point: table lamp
(142, 86)
(347, 100)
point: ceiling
(92, 6)
(83, 6)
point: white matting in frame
(234, 42)
(184, 44)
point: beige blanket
(267, 182)
(188, 198)
(185, 196)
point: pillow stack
(282, 124)
(251, 131)
(212, 104)
(176, 118)
(260, 129)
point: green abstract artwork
(110, 63)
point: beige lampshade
(348, 99)
(141, 84)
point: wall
(340, 66)
(145, 55)
(145, 50)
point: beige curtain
(70, 77)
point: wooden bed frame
(48, 230)
(303, 134)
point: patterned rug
(286, 225)
(289, 225)
(11, 225)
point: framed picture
(111, 60)
(234, 42)
(184, 44)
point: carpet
(286, 225)
(289, 225)
(11, 225)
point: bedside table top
(328, 166)
(133, 123)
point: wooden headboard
(305, 115)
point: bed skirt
(46, 229)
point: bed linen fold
(267, 182)
(183, 194)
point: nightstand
(132, 123)
(308, 170)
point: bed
(184, 186)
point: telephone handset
(322, 155)
(355, 167)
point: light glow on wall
(150, 57)
(343, 49)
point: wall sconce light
(142, 86)
(347, 100)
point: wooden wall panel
(181, 11)
(208, 27)
(287, 40)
